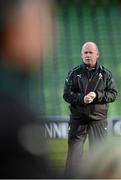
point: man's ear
(98, 55)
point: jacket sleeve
(110, 92)
(70, 95)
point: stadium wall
(57, 127)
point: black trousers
(95, 130)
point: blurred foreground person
(24, 31)
(88, 89)
(103, 162)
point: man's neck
(90, 68)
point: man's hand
(89, 97)
(92, 95)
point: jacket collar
(84, 67)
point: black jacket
(80, 82)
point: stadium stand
(76, 22)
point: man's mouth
(88, 59)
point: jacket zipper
(89, 80)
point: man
(24, 31)
(88, 89)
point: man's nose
(88, 54)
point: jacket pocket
(99, 111)
(101, 107)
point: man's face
(89, 54)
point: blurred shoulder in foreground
(103, 162)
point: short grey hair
(92, 43)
